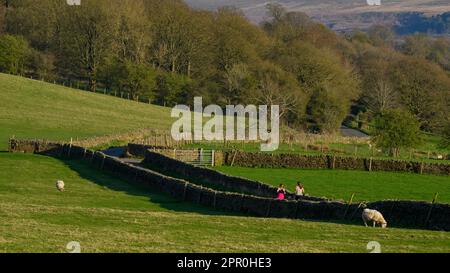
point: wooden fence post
(431, 208)
(70, 147)
(268, 208)
(9, 145)
(234, 156)
(242, 202)
(103, 162)
(200, 195)
(356, 210)
(349, 204)
(185, 190)
(296, 210)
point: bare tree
(383, 96)
(234, 78)
(271, 93)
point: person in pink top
(281, 192)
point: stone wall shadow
(108, 180)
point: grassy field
(107, 215)
(430, 144)
(339, 184)
(34, 109)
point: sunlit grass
(340, 184)
(105, 214)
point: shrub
(396, 129)
(445, 142)
(14, 54)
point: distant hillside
(339, 14)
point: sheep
(60, 185)
(375, 216)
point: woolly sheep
(375, 216)
(60, 185)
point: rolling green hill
(35, 109)
(105, 214)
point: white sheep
(375, 216)
(60, 185)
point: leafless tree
(382, 97)
(271, 93)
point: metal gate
(200, 157)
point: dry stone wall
(410, 214)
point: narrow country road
(348, 132)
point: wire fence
(99, 89)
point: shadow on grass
(197, 181)
(110, 181)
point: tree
(87, 37)
(445, 142)
(134, 34)
(395, 130)
(327, 110)
(235, 40)
(378, 93)
(180, 36)
(278, 87)
(421, 87)
(3, 7)
(41, 65)
(237, 81)
(320, 71)
(417, 45)
(14, 54)
(382, 96)
(381, 35)
(440, 52)
(173, 89)
(127, 76)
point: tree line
(169, 53)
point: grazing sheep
(60, 185)
(440, 157)
(375, 216)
